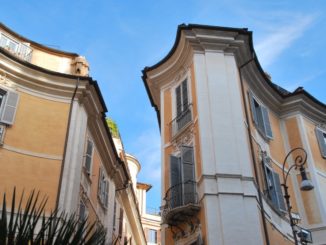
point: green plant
(113, 127)
(30, 225)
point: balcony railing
(181, 202)
(182, 120)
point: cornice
(198, 39)
(39, 79)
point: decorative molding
(6, 82)
(185, 137)
(31, 153)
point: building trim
(31, 153)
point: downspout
(66, 144)
(262, 211)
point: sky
(120, 38)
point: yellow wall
(275, 237)
(39, 128)
(319, 161)
(40, 125)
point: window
(88, 156)
(183, 112)
(9, 43)
(103, 188)
(21, 49)
(8, 106)
(260, 117)
(114, 213)
(321, 137)
(273, 189)
(152, 236)
(82, 211)
(120, 222)
(182, 169)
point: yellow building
(54, 137)
(225, 131)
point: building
(150, 221)
(225, 130)
(55, 138)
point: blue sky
(120, 38)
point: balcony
(181, 203)
(19, 49)
(181, 121)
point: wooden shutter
(279, 193)
(321, 141)
(106, 199)
(9, 109)
(253, 108)
(185, 95)
(114, 214)
(176, 188)
(269, 180)
(89, 152)
(120, 222)
(188, 170)
(178, 100)
(267, 125)
(99, 190)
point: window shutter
(269, 181)
(99, 190)
(321, 141)
(178, 100)
(279, 193)
(188, 168)
(267, 125)
(106, 199)
(89, 152)
(184, 95)
(253, 108)
(9, 110)
(175, 170)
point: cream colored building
(150, 221)
(54, 138)
(225, 131)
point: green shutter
(267, 125)
(175, 192)
(279, 193)
(253, 108)
(188, 169)
(185, 95)
(178, 100)
(321, 141)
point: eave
(238, 41)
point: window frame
(151, 233)
(273, 188)
(103, 188)
(8, 106)
(180, 160)
(321, 140)
(260, 117)
(88, 156)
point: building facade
(55, 138)
(226, 129)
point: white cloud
(272, 46)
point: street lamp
(306, 185)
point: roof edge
(41, 46)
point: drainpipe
(260, 199)
(66, 143)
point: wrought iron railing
(181, 120)
(180, 195)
